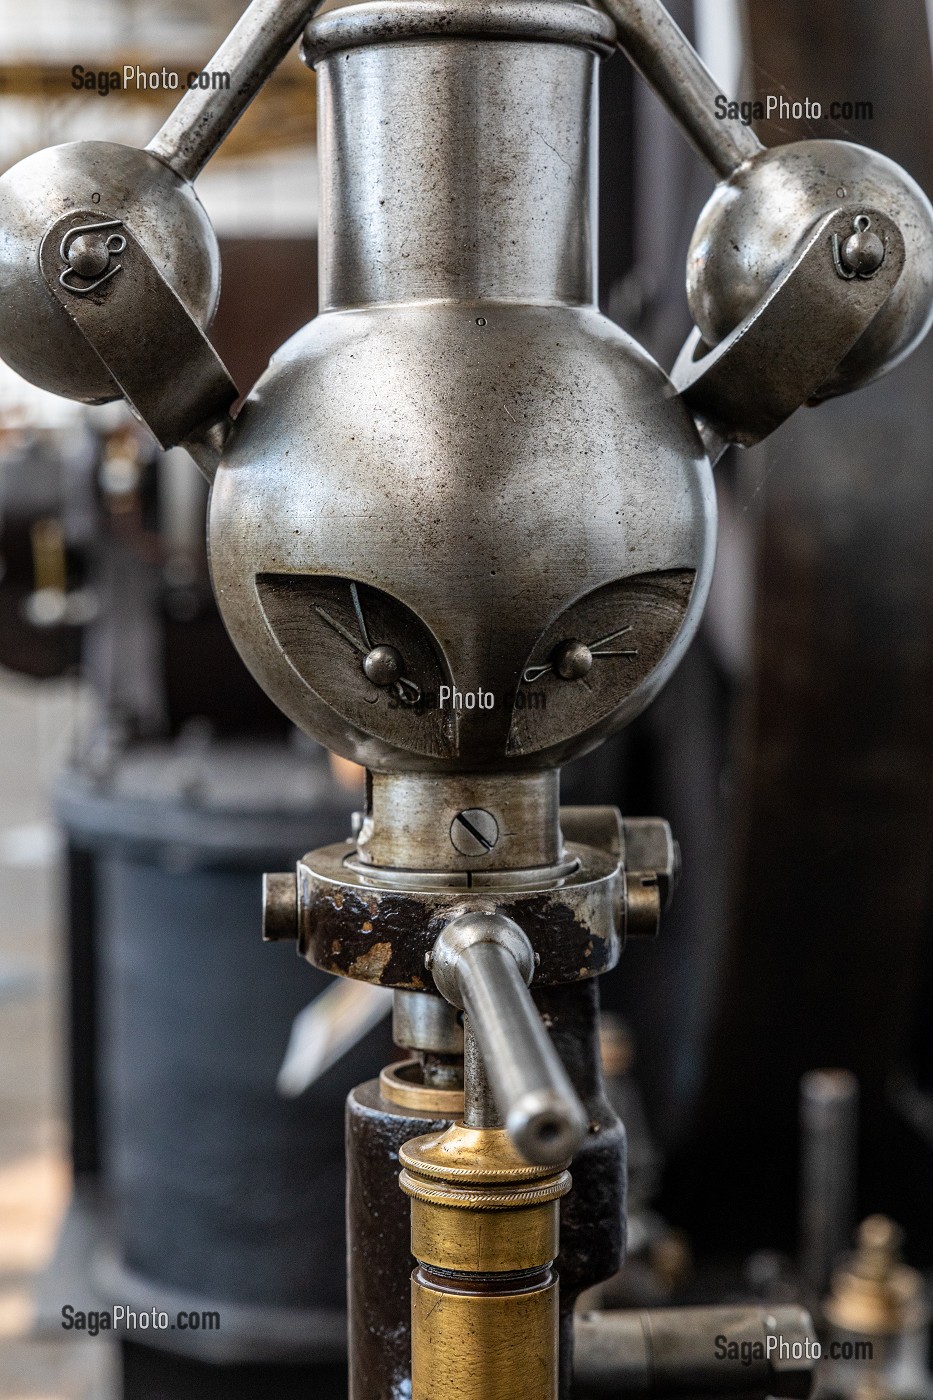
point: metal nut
(642, 906)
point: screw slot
(474, 832)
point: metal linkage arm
(483, 963)
(251, 52)
(674, 70)
(770, 365)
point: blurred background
(771, 1054)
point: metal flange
(352, 926)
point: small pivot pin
(861, 254)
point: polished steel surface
(409, 473)
(439, 453)
(594, 826)
(462, 530)
(483, 962)
(387, 21)
(172, 378)
(485, 228)
(738, 391)
(424, 1021)
(480, 1109)
(478, 823)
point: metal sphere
(755, 220)
(863, 253)
(427, 584)
(37, 337)
(383, 665)
(573, 660)
(89, 255)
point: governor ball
(756, 220)
(37, 337)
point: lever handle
(251, 52)
(483, 963)
(671, 66)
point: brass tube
(472, 1346)
(484, 1297)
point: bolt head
(89, 255)
(474, 832)
(572, 660)
(863, 253)
(383, 665)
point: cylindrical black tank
(221, 1195)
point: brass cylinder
(484, 1230)
(471, 1346)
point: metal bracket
(782, 354)
(136, 324)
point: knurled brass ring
(476, 1198)
(475, 1156)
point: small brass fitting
(875, 1293)
(403, 1084)
(484, 1230)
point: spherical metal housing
(37, 337)
(754, 221)
(491, 485)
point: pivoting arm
(671, 66)
(483, 963)
(251, 52)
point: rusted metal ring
(351, 927)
